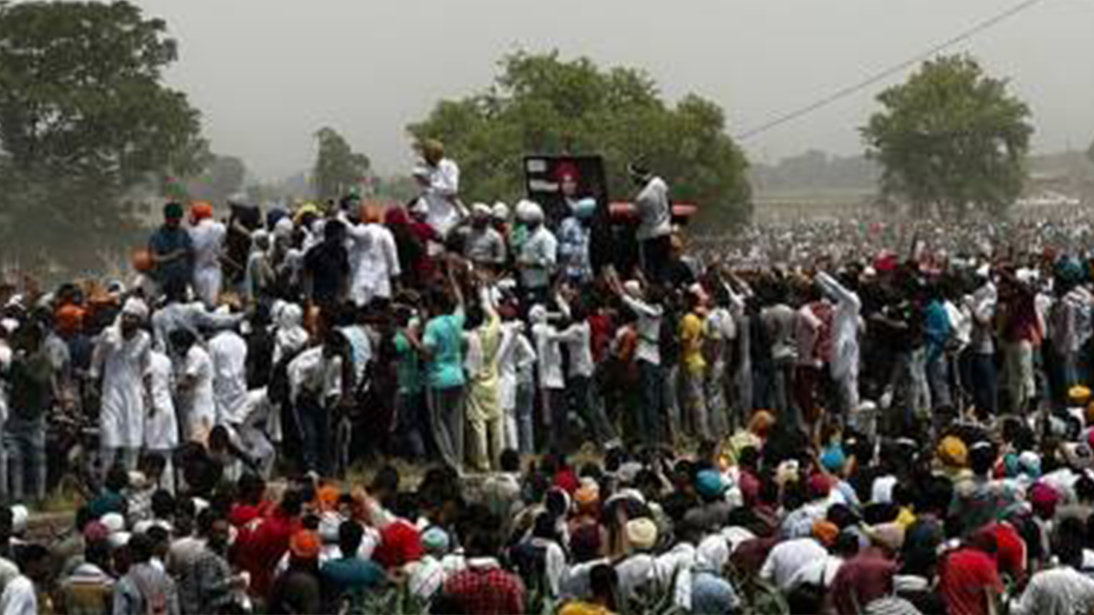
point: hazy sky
(268, 73)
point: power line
(892, 70)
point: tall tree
(222, 177)
(337, 167)
(951, 139)
(540, 103)
(84, 118)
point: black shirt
(327, 264)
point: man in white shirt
(843, 364)
(228, 351)
(315, 382)
(440, 181)
(577, 338)
(552, 385)
(647, 354)
(122, 357)
(20, 595)
(207, 236)
(655, 221)
(197, 402)
(538, 256)
(161, 427)
(373, 259)
(787, 558)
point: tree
(85, 118)
(542, 104)
(951, 139)
(222, 177)
(337, 167)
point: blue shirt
(167, 241)
(444, 339)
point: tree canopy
(222, 178)
(541, 104)
(951, 139)
(84, 118)
(337, 167)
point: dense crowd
(845, 417)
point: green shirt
(408, 369)
(444, 339)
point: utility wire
(876, 77)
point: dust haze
(268, 73)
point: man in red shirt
(863, 579)
(968, 577)
(261, 550)
(1010, 553)
(484, 587)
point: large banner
(556, 181)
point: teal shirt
(349, 574)
(407, 371)
(444, 339)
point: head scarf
(135, 307)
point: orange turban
(305, 544)
(69, 319)
(328, 497)
(200, 210)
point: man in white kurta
(122, 357)
(373, 261)
(161, 427)
(207, 236)
(228, 351)
(196, 400)
(440, 180)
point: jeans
(591, 410)
(556, 414)
(984, 382)
(316, 435)
(715, 394)
(446, 423)
(108, 456)
(411, 424)
(938, 377)
(649, 411)
(671, 401)
(25, 445)
(526, 418)
(782, 387)
(1018, 375)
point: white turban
(481, 210)
(529, 211)
(135, 307)
(538, 314)
(283, 228)
(500, 211)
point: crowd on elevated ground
(849, 417)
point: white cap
(529, 211)
(500, 211)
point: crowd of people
(846, 417)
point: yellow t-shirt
(579, 607)
(692, 333)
